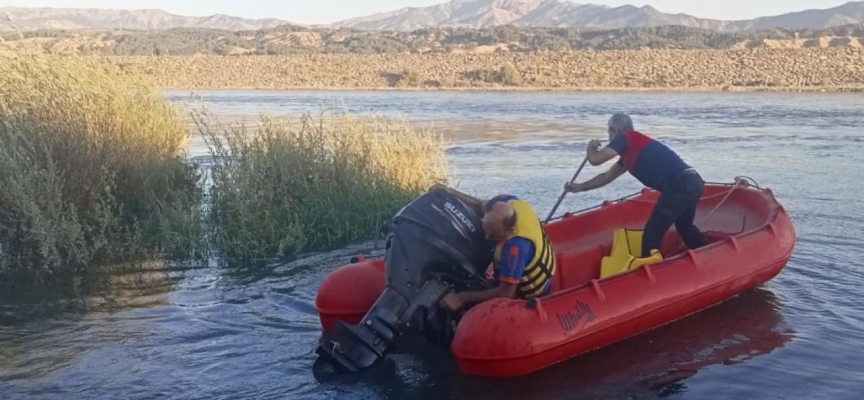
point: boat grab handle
(537, 304)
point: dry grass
(287, 188)
(91, 168)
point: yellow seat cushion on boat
(626, 253)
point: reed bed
(289, 187)
(92, 169)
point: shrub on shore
(287, 188)
(91, 169)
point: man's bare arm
(503, 290)
(598, 157)
(598, 181)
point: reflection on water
(48, 336)
(112, 289)
(657, 363)
(148, 287)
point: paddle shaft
(564, 193)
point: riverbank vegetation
(91, 169)
(288, 40)
(94, 174)
(313, 184)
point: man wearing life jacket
(657, 167)
(523, 262)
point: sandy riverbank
(811, 69)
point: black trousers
(676, 205)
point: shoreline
(540, 89)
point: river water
(205, 334)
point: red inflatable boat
(597, 300)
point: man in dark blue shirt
(657, 167)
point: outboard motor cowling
(435, 244)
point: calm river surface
(202, 334)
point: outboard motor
(435, 244)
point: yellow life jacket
(541, 268)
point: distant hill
(555, 13)
(29, 19)
(476, 14)
(846, 14)
(287, 39)
(479, 14)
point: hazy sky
(326, 11)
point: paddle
(564, 193)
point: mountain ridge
(480, 14)
(46, 18)
(473, 14)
